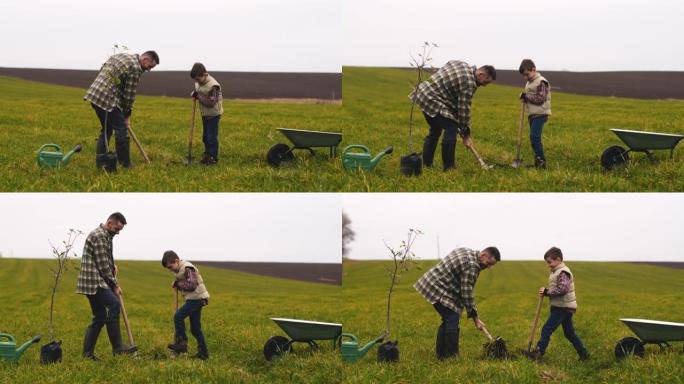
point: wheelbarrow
(656, 332)
(637, 141)
(302, 139)
(300, 331)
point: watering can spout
(67, 157)
(380, 155)
(368, 346)
(27, 344)
(350, 349)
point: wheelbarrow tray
(653, 331)
(644, 141)
(310, 139)
(305, 331)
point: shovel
(495, 348)
(137, 143)
(534, 324)
(517, 162)
(479, 158)
(128, 326)
(188, 160)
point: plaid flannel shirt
(116, 84)
(449, 92)
(97, 263)
(452, 281)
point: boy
(537, 99)
(189, 282)
(208, 92)
(561, 293)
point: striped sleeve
(102, 261)
(468, 279)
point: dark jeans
(105, 306)
(438, 124)
(450, 319)
(115, 123)
(210, 126)
(193, 310)
(559, 316)
(536, 125)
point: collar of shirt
(109, 235)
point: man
(445, 100)
(449, 287)
(112, 95)
(97, 280)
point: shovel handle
(520, 129)
(534, 324)
(125, 316)
(192, 128)
(137, 144)
(489, 335)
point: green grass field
(374, 113)
(506, 300)
(236, 325)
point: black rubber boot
(429, 147)
(118, 347)
(448, 155)
(451, 342)
(180, 345)
(89, 342)
(540, 163)
(123, 152)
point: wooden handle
(137, 143)
(534, 324)
(192, 128)
(176, 302)
(520, 128)
(125, 316)
(489, 336)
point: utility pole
(439, 254)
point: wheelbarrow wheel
(278, 153)
(276, 346)
(629, 346)
(613, 157)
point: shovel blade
(517, 163)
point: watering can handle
(9, 337)
(349, 335)
(50, 145)
(353, 146)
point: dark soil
(236, 85)
(668, 264)
(318, 273)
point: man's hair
(493, 251)
(526, 65)
(490, 71)
(554, 253)
(117, 216)
(169, 257)
(197, 69)
(153, 55)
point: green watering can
(9, 350)
(362, 160)
(52, 159)
(350, 348)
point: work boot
(451, 343)
(539, 163)
(118, 347)
(205, 158)
(448, 155)
(180, 345)
(534, 355)
(202, 354)
(89, 342)
(123, 152)
(429, 147)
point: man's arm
(129, 90)
(468, 279)
(101, 257)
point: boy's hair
(153, 55)
(527, 65)
(117, 216)
(493, 251)
(169, 257)
(197, 69)
(554, 253)
(490, 71)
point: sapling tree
(419, 62)
(64, 256)
(403, 260)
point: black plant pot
(388, 352)
(51, 352)
(411, 164)
(106, 161)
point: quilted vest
(531, 89)
(568, 300)
(205, 90)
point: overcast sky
(228, 35)
(586, 226)
(283, 227)
(576, 35)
